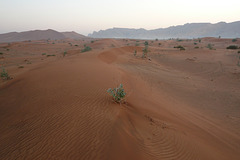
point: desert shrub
(179, 40)
(145, 51)
(196, 47)
(76, 45)
(92, 41)
(64, 53)
(8, 49)
(234, 40)
(159, 44)
(51, 55)
(135, 53)
(199, 40)
(1, 53)
(180, 47)
(21, 67)
(195, 43)
(146, 43)
(238, 51)
(210, 46)
(156, 39)
(43, 54)
(137, 44)
(232, 47)
(4, 75)
(118, 94)
(86, 48)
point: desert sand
(181, 105)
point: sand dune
(180, 104)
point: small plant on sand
(180, 47)
(43, 54)
(234, 40)
(64, 53)
(135, 53)
(238, 51)
(51, 55)
(1, 53)
(145, 51)
(118, 94)
(232, 47)
(210, 46)
(5, 75)
(86, 48)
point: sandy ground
(180, 104)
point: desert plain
(180, 104)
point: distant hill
(38, 35)
(189, 30)
(73, 35)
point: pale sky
(86, 16)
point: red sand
(180, 104)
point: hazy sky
(86, 16)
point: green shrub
(1, 53)
(146, 43)
(5, 75)
(196, 47)
(180, 47)
(51, 55)
(118, 94)
(43, 54)
(234, 40)
(232, 47)
(21, 67)
(76, 45)
(210, 46)
(92, 41)
(145, 51)
(87, 48)
(135, 53)
(64, 53)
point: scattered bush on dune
(180, 47)
(86, 48)
(118, 94)
(4, 75)
(234, 40)
(232, 47)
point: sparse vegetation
(179, 40)
(146, 43)
(135, 53)
(51, 55)
(64, 53)
(156, 39)
(232, 47)
(210, 46)
(238, 51)
(159, 44)
(196, 47)
(43, 54)
(118, 94)
(1, 53)
(180, 47)
(195, 43)
(4, 74)
(92, 41)
(234, 40)
(21, 67)
(86, 49)
(76, 45)
(137, 44)
(145, 50)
